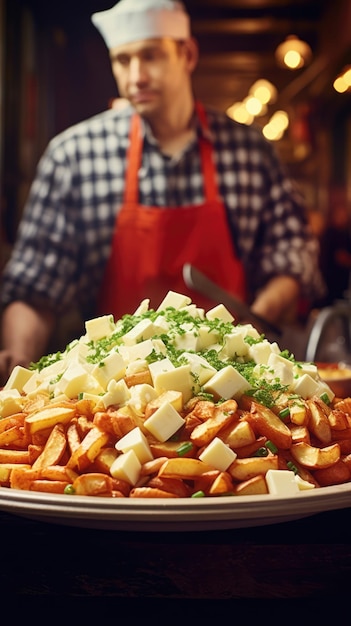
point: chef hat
(133, 20)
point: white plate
(183, 514)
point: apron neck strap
(134, 158)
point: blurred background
(54, 71)
(284, 65)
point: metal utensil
(194, 279)
(289, 338)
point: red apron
(151, 244)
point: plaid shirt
(64, 238)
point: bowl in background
(337, 376)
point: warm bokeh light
(275, 128)
(253, 105)
(264, 90)
(293, 59)
(239, 113)
(340, 85)
(293, 53)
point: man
(122, 201)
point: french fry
(299, 433)
(254, 486)
(49, 486)
(266, 423)
(48, 416)
(315, 458)
(170, 449)
(151, 492)
(318, 423)
(53, 450)
(14, 456)
(222, 484)
(338, 420)
(93, 484)
(139, 378)
(175, 486)
(223, 415)
(244, 469)
(334, 475)
(187, 469)
(88, 449)
(6, 471)
(238, 435)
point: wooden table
(307, 561)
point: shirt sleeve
(42, 269)
(282, 241)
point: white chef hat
(133, 20)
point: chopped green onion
(290, 465)
(198, 494)
(284, 413)
(80, 395)
(69, 490)
(271, 446)
(261, 452)
(325, 398)
(184, 448)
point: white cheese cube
(260, 352)
(136, 440)
(206, 337)
(323, 388)
(234, 345)
(302, 484)
(200, 369)
(126, 467)
(32, 384)
(220, 312)
(164, 422)
(305, 386)
(227, 383)
(11, 402)
(54, 370)
(140, 396)
(218, 454)
(178, 379)
(117, 393)
(194, 311)
(141, 331)
(112, 367)
(18, 378)
(174, 300)
(249, 331)
(281, 483)
(99, 327)
(138, 351)
(159, 367)
(134, 367)
(74, 381)
(92, 397)
(306, 368)
(143, 307)
(281, 368)
(161, 325)
(187, 340)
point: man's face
(150, 73)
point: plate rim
(177, 513)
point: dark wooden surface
(306, 560)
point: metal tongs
(196, 280)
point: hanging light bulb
(293, 53)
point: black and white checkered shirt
(65, 235)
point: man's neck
(175, 130)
